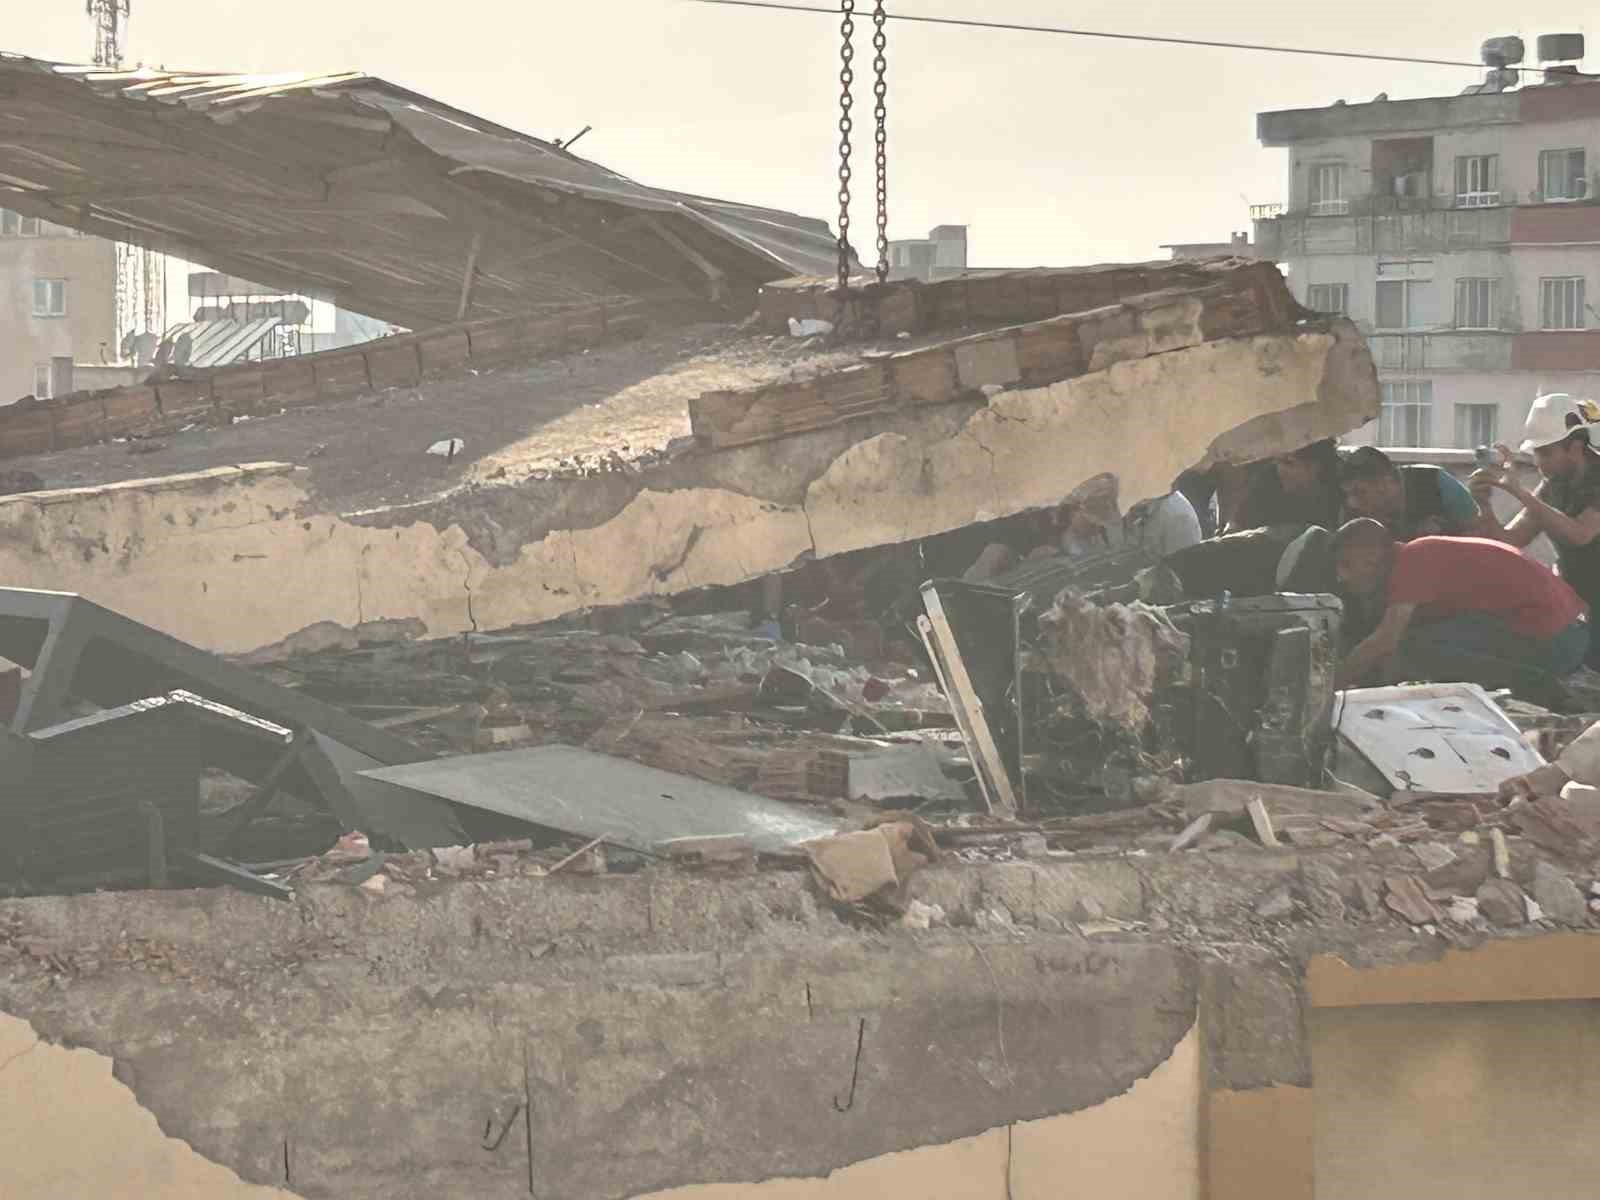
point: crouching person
(1465, 610)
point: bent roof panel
(324, 184)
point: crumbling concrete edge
(239, 558)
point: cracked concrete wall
(668, 1031)
(1144, 1142)
(69, 1129)
(240, 558)
(693, 1036)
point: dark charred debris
(860, 718)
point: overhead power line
(973, 23)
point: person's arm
(1370, 654)
(1522, 528)
(1542, 518)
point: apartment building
(1461, 233)
(940, 255)
(57, 305)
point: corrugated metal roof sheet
(349, 187)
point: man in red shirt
(1467, 610)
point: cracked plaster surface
(176, 553)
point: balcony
(1441, 350)
(1330, 208)
(1477, 199)
(1387, 225)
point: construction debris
(873, 864)
(575, 791)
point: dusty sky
(1054, 150)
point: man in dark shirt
(1413, 501)
(1299, 488)
(1565, 505)
(1459, 609)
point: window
(1327, 190)
(1405, 415)
(1477, 180)
(9, 222)
(41, 381)
(28, 226)
(49, 297)
(1561, 175)
(1475, 304)
(1477, 425)
(1561, 303)
(1405, 296)
(1328, 298)
(1403, 303)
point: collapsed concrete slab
(235, 558)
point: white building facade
(1462, 234)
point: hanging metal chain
(880, 113)
(847, 76)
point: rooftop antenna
(108, 17)
(140, 288)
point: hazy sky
(1054, 150)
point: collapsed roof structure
(1189, 961)
(368, 195)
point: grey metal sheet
(592, 795)
(362, 191)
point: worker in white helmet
(1566, 504)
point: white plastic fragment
(810, 327)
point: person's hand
(1544, 781)
(1482, 483)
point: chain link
(847, 77)
(880, 113)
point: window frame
(1468, 411)
(1490, 288)
(1417, 399)
(56, 287)
(1575, 299)
(1343, 292)
(43, 372)
(1318, 201)
(1580, 181)
(1487, 194)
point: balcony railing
(1330, 208)
(1265, 212)
(1477, 199)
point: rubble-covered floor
(622, 401)
(684, 693)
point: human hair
(1363, 533)
(1366, 463)
(1324, 455)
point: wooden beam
(469, 275)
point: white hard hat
(1552, 419)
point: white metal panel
(1442, 737)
